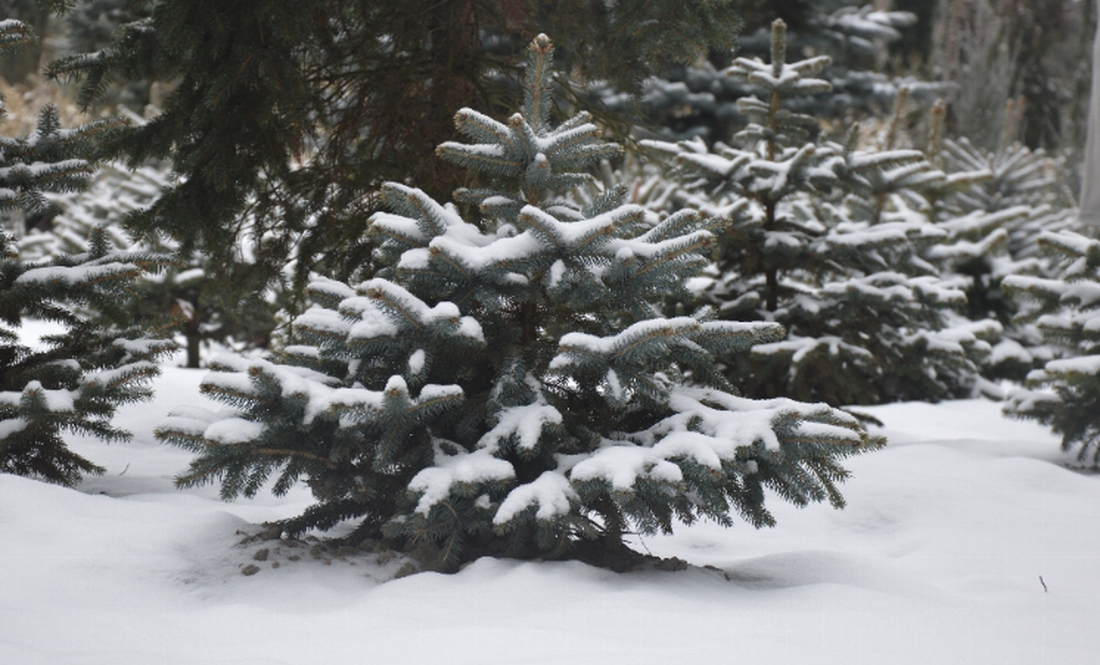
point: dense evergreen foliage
(20, 63)
(508, 386)
(1065, 393)
(818, 244)
(90, 26)
(189, 289)
(294, 113)
(700, 99)
(993, 206)
(71, 381)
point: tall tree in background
(1037, 50)
(295, 112)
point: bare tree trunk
(1090, 180)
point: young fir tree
(74, 380)
(814, 246)
(1065, 393)
(112, 192)
(509, 387)
(993, 205)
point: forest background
(1034, 53)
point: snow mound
(936, 559)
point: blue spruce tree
(508, 386)
(700, 99)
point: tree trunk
(771, 273)
(193, 345)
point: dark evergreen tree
(296, 112)
(73, 380)
(1065, 393)
(509, 386)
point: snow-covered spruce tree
(1065, 393)
(509, 387)
(814, 245)
(73, 380)
(112, 192)
(993, 205)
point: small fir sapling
(509, 386)
(1065, 393)
(990, 206)
(986, 210)
(815, 244)
(75, 379)
(112, 193)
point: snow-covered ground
(936, 560)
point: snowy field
(936, 560)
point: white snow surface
(936, 559)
